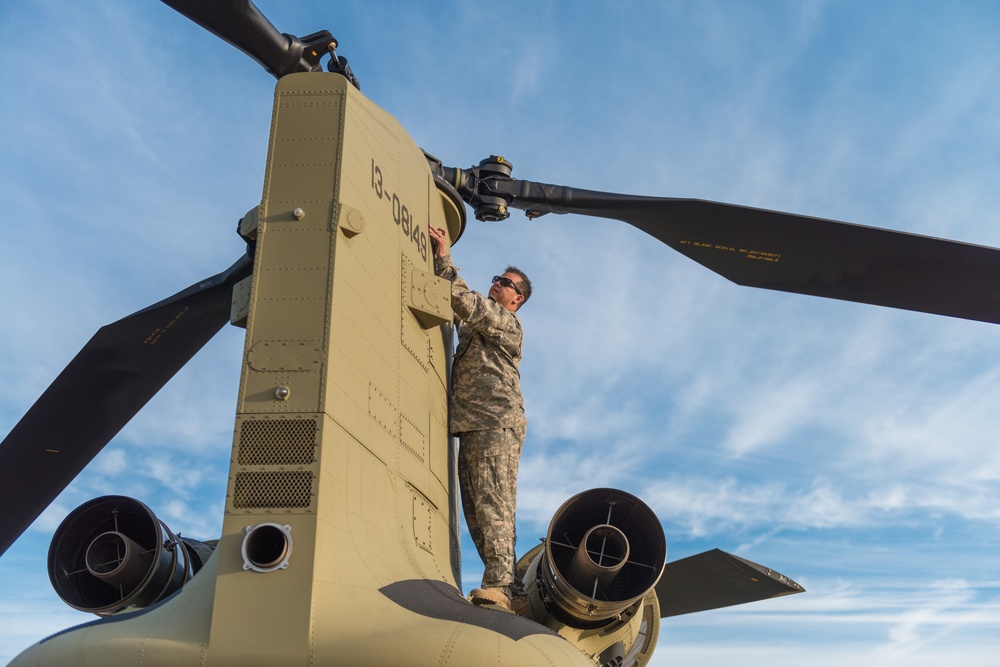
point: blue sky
(850, 447)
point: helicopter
(696, 246)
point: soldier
(486, 413)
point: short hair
(523, 285)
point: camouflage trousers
(487, 477)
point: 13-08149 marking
(401, 215)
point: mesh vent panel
(283, 488)
(278, 442)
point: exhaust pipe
(604, 551)
(112, 553)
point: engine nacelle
(112, 553)
(593, 579)
(604, 551)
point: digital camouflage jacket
(485, 380)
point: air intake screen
(283, 488)
(278, 442)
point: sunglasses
(506, 282)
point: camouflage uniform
(486, 413)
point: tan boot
(489, 597)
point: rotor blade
(715, 579)
(794, 253)
(240, 23)
(101, 389)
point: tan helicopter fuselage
(340, 539)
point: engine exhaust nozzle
(604, 551)
(601, 555)
(114, 558)
(112, 553)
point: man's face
(506, 296)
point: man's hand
(439, 240)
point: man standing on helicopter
(486, 413)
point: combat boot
(490, 597)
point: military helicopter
(272, 498)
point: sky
(850, 447)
